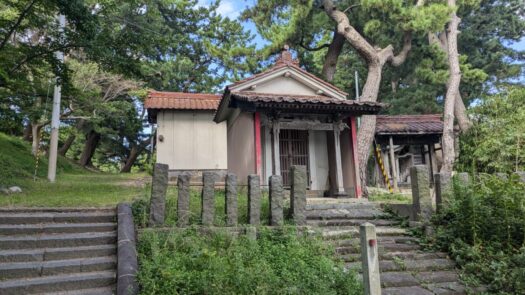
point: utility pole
(55, 117)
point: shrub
(483, 227)
(278, 262)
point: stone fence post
(231, 199)
(370, 259)
(276, 200)
(298, 194)
(159, 186)
(183, 199)
(208, 198)
(442, 188)
(421, 198)
(254, 199)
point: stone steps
(57, 217)
(57, 240)
(47, 254)
(55, 251)
(405, 268)
(351, 222)
(54, 228)
(59, 283)
(43, 268)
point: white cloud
(227, 8)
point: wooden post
(258, 149)
(275, 148)
(357, 178)
(339, 186)
(393, 163)
(370, 259)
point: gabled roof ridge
(279, 65)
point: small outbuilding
(265, 124)
(407, 140)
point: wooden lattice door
(293, 150)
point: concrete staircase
(405, 268)
(50, 251)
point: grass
(79, 190)
(390, 198)
(278, 262)
(74, 187)
(17, 164)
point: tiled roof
(409, 124)
(306, 99)
(182, 101)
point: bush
(496, 141)
(278, 262)
(483, 227)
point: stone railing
(254, 207)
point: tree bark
(460, 113)
(452, 91)
(67, 144)
(71, 138)
(27, 132)
(133, 155)
(90, 146)
(332, 55)
(375, 59)
(35, 135)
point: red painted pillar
(258, 152)
(353, 132)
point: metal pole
(55, 117)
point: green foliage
(17, 164)
(483, 226)
(496, 142)
(278, 262)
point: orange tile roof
(182, 101)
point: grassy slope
(74, 187)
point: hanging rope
(380, 163)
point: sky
(233, 8)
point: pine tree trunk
(71, 138)
(35, 136)
(332, 55)
(67, 144)
(27, 132)
(89, 148)
(460, 113)
(365, 135)
(452, 92)
(133, 155)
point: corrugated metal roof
(409, 124)
(182, 101)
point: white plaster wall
(192, 141)
(286, 85)
(241, 143)
(318, 160)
